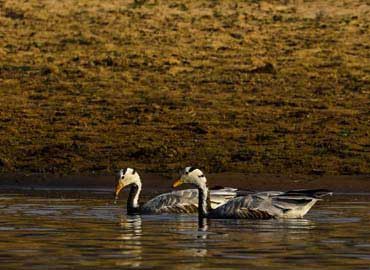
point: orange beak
(118, 188)
(177, 183)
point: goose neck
(133, 198)
(204, 203)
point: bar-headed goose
(182, 201)
(258, 205)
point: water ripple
(86, 231)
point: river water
(64, 229)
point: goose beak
(177, 183)
(118, 188)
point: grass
(252, 86)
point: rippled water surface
(73, 230)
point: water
(74, 230)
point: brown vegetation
(253, 86)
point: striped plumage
(185, 201)
(182, 201)
(258, 205)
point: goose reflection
(247, 239)
(187, 237)
(130, 241)
(197, 246)
(266, 231)
(203, 224)
(132, 225)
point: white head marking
(129, 177)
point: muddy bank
(159, 182)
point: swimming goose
(258, 205)
(182, 201)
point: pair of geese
(221, 203)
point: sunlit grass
(254, 86)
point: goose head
(124, 178)
(192, 176)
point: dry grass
(255, 86)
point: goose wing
(186, 201)
(221, 196)
(270, 204)
(243, 207)
(181, 201)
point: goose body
(257, 205)
(181, 201)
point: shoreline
(162, 182)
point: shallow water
(73, 230)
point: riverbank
(159, 183)
(264, 87)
